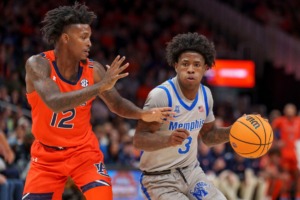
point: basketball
(251, 136)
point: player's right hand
(114, 73)
(178, 136)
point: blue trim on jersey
(92, 65)
(181, 101)
(143, 188)
(168, 94)
(93, 185)
(205, 100)
(43, 55)
(65, 80)
(38, 196)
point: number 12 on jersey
(65, 121)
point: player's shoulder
(38, 58)
(205, 87)
(37, 62)
(161, 89)
(98, 69)
(97, 66)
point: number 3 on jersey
(64, 122)
(187, 146)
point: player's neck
(66, 65)
(189, 93)
(65, 59)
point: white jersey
(190, 114)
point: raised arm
(38, 79)
(125, 108)
(211, 135)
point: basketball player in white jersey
(169, 162)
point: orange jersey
(71, 127)
(289, 132)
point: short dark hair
(57, 19)
(190, 42)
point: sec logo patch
(84, 83)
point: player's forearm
(216, 136)
(59, 101)
(126, 109)
(150, 141)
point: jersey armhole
(168, 94)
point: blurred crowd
(139, 30)
(283, 15)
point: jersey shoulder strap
(205, 100)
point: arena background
(264, 32)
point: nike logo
(175, 116)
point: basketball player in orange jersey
(61, 85)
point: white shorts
(189, 183)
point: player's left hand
(161, 115)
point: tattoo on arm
(120, 105)
(38, 76)
(212, 135)
(146, 138)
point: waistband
(168, 171)
(54, 147)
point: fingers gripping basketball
(251, 136)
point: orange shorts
(50, 169)
(289, 162)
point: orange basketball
(251, 136)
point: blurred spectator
(100, 112)
(277, 179)
(245, 170)
(102, 138)
(226, 181)
(21, 146)
(288, 126)
(274, 114)
(205, 158)
(11, 188)
(113, 147)
(5, 149)
(128, 154)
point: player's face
(190, 69)
(78, 40)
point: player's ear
(175, 66)
(65, 37)
(206, 67)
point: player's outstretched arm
(146, 138)
(125, 108)
(211, 135)
(38, 78)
